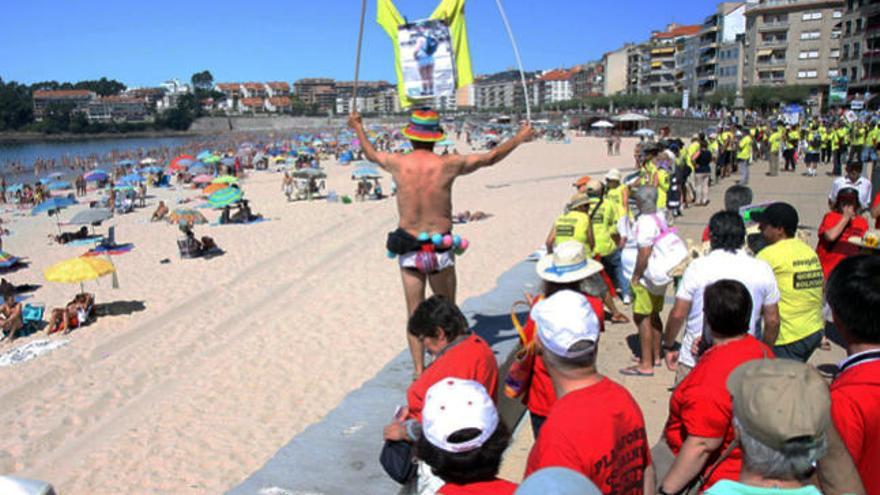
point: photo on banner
(427, 59)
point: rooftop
(279, 101)
(278, 85)
(63, 93)
(675, 31)
(252, 102)
(557, 75)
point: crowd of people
(747, 414)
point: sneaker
(627, 299)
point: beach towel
(85, 242)
(29, 351)
(111, 250)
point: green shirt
(730, 487)
(604, 224)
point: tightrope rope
(357, 60)
(522, 74)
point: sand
(199, 370)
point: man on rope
(424, 203)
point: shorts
(811, 157)
(645, 303)
(427, 262)
(869, 154)
(799, 350)
(681, 372)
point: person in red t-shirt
(441, 326)
(463, 439)
(853, 292)
(595, 427)
(837, 227)
(699, 427)
(541, 396)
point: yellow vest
(572, 226)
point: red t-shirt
(832, 253)
(873, 205)
(855, 402)
(471, 359)
(541, 395)
(701, 405)
(494, 487)
(598, 431)
(706, 234)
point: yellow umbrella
(78, 270)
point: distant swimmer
(424, 203)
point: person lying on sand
(64, 238)
(67, 318)
(10, 316)
(160, 212)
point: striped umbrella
(192, 217)
(202, 179)
(96, 175)
(225, 179)
(225, 197)
(212, 188)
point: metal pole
(357, 61)
(522, 74)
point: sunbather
(64, 238)
(160, 212)
(75, 314)
(10, 316)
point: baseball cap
(613, 174)
(778, 215)
(557, 481)
(452, 405)
(780, 400)
(564, 319)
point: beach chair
(188, 248)
(32, 317)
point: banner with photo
(427, 60)
(837, 91)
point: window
(811, 35)
(859, 25)
(843, 72)
(809, 54)
(845, 52)
(835, 53)
(847, 28)
(856, 49)
(807, 74)
(811, 16)
(832, 72)
(854, 74)
(837, 14)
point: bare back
(424, 191)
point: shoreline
(37, 137)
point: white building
(557, 85)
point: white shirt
(648, 227)
(630, 251)
(719, 264)
(862, 185)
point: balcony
(871, 54)
(770, 61)
(773, 26)
(774, 43)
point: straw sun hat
(568, 263)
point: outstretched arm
(379, 157)
(472, 163)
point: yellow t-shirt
(800, 279)
(572, 226)
(604, 224)
(615, 196)
(663, 183)
(775, 140)
(692, 150)
(744, 151)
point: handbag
(668, 252)
(519, 376)
(397, 460)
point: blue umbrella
(228, 161)
(59, 185)
(15, 187)
(200, 168)
(225, 197)
(55, 175)
(152, 170)
(52, 204)
(96, 175)
(131, 178)
(203, 154)
(365, 173)
(125, 163)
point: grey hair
(646, 199)
(798, 462)
(585, 360)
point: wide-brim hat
(578, 200)
(424, 126)
(567, 263)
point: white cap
(564, 319)
(453, 404)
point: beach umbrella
(78, 270)
(211, 159)
(225, 197)
(131, 178)
(199, 168)
(96, 175)
(225, 179)
(53, 204)
(212, 188)
(309, 173)
(7, 260)
(365, 173)
(644, 133)
(151, 170)
(279, 159)
(181, 163)
(190, 216)
(59, 185)
(15, 187)
(125, 163)
(602, 124)
(203, 179)
(91, 216)
(203, 154)
(148, 161)
(227, 161)
(123, 186)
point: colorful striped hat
(424, 125)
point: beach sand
(199, 370)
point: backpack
(669, 251)
(431, 45)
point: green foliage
(103, 86)
(202, 81)
(16, 106)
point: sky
(142, 43)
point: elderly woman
(647, 304)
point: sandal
(635, 371)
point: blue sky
(142, 43)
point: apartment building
(557, 86)
(717, 49)
(616, 71)
(859, 49)
(658, 59)
(316, 91)
(792, 41)
(504, 90)
(587, 80)
(78, 99)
